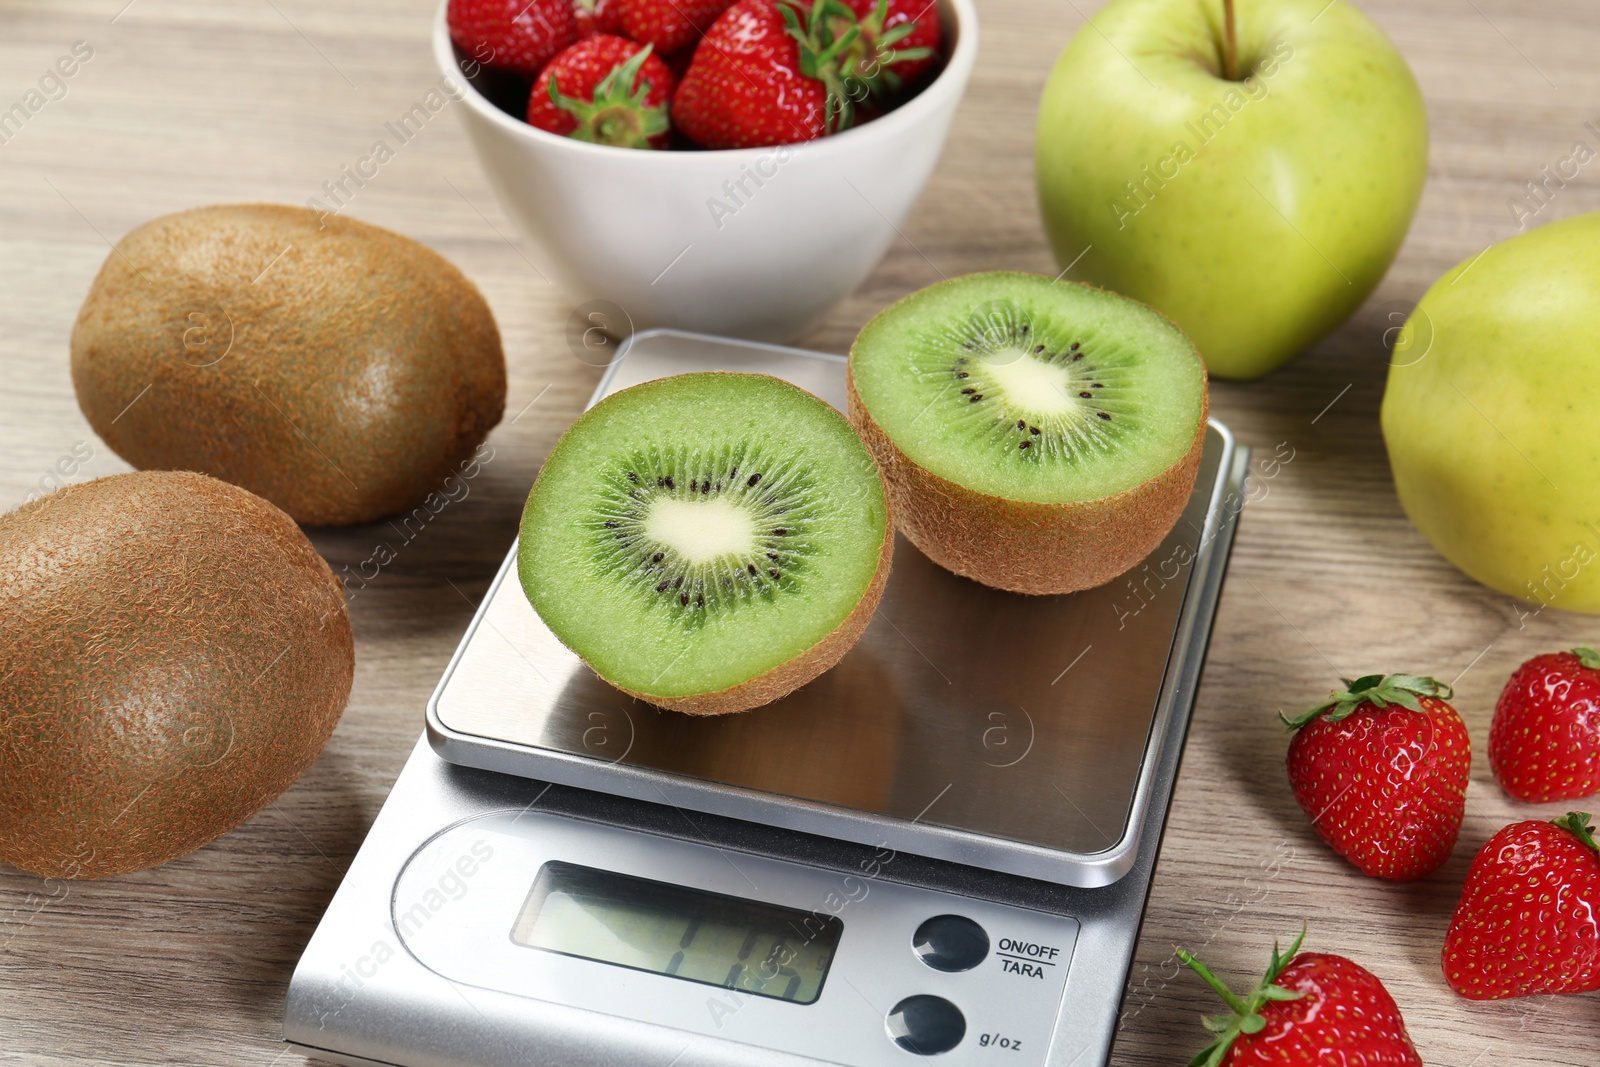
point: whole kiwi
(335, 368)
(175, 654)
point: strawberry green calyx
(1244, 1015)
(868, 63)
(1588, 657)
(1380, 690)
(851, 57)
(616, 116)
(828, 30)
(1576, 823)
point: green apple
(1256, 211)
(1492, 416)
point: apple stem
(1230, 43)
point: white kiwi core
(1032, 386)
(701, 530)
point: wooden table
(188, 102)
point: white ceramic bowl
(752, 242)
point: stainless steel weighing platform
(981, 767)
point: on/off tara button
(950, 943)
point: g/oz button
(950, 943)
(927, 1025)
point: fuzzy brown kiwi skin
(338, 369)
(1022, 546)
(175, 654)
(791, 674)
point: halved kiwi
(707, 542)
(1038, 436)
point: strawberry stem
(1246, 1017)
(1576, 823)
(1588, 657)
(1229, 997)
(1379, 690)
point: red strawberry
(519, 36)
(1381, 768)
(1545, 741)
(1310, 1009)
(898, 42)
(1529, 918)
(607, 90)
(670, 25)
(778, 72)
(744, 88)
(597, 16)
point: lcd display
(673, 930)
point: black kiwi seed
(1037, 349)
(683, 598)
(968, 391)
(1087, 395)
(1021, 425)
(634, 478)
(773, 556)
(734, 473)
(975, 397)
(780, 532)
(962, 374)
(658, 557)
(772, 574)
(1024, 444)
(1034, 430)
(1073, 347)
(677, 581)
(611, 524)
(751, 567)
(755, 479)
(662, 588)
(705, 487)
(700, 600)
(1104, 415)
(1098, 385)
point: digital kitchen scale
(939, 850)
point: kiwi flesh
(707, 542)
(340, 370)
(1037, 436)
(175, 654)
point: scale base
(360, 997)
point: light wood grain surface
(189, 102)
